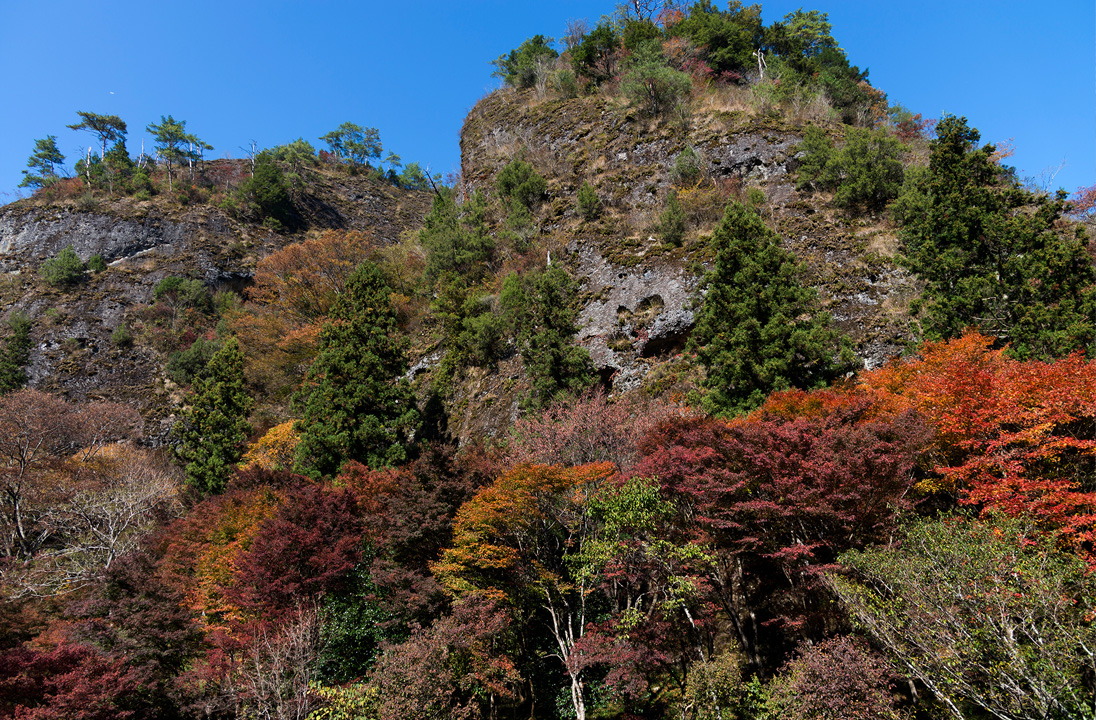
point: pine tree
(760, 328)
(213, 429)
(355, 403)
(993, 255)
(43, 164)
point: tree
(299, 156)
(107, 128)
(355, 143)
(760, 328)
(837, 678)
(43, 164)
(866, 172)
(101, 507)
(725, 39)
(995, 621)
(266, 192)
(458, 668)
(38, 433)
(16, 353)
(36, 429)
(587, 429)
(594, 56)
(1012, 437)
(513, 540)
(994, 256)
(213, 427)
(307, 549)
(651, 83)
(778, 497)
(355, 403)
(172, 142)
(456, 238)
(539, 307)
(520, 68)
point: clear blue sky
(272, 71)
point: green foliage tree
(650, 83)
(64, 269)
(43, 164)
(354, 142)
(520, 66)
(172, 143)
(355, 403)
(809, 55)
(106, 128)
(266, 193)
(413, 177)
(993, 621)
(519, 181)
(16, 353)
(671, 223)
(212, 430)
(760, 328)
(726, 39)
(865, 173)
(593, 58)
(297, 156)
(994, 256)
(456, 238)
(540, 309)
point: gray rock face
(635, 313)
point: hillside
(714, 386)
(142, 242)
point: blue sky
(272, 71)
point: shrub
(817, 149)
(566, 82)
(65, 268)
(121, 337)
(96, 263)
(671, 223)
(589, 205)
(519, 181)
(183, 292)
(687, 169)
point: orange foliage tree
(293, 293)
(515, 541)
(274, 450)
(1011, 436)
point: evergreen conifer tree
(43, 164)
(16, 354)
(213, 428)
(992, 254)
(541, 312)
(355, 404)
(760, 328)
